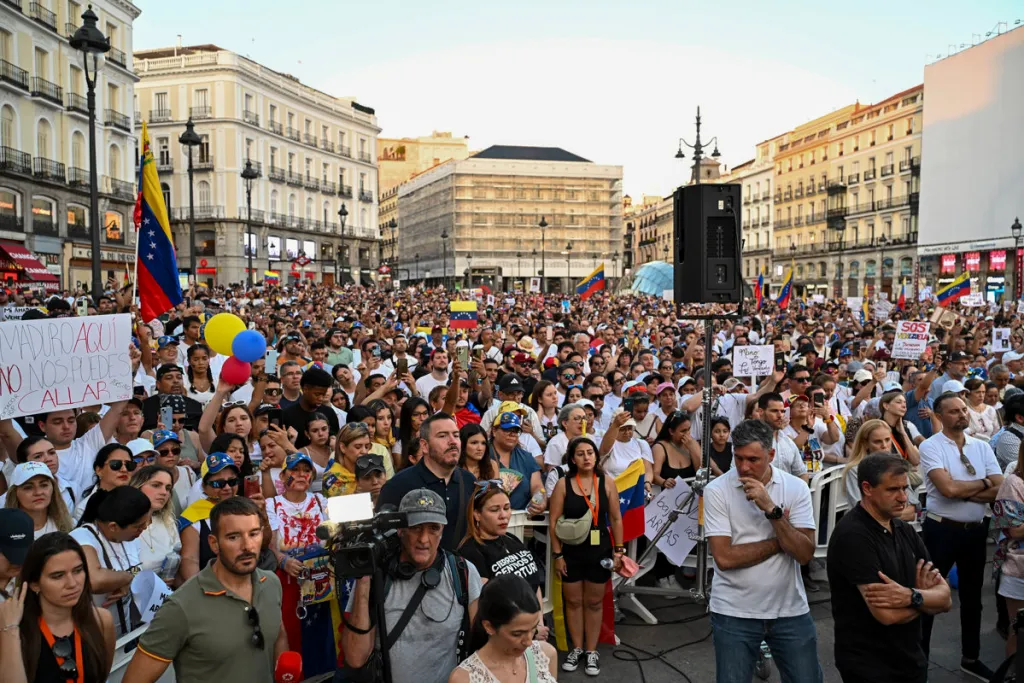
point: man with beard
(169, 382)
(437, 470)
(223, 624)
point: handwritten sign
(975, 300)
(14, 312)
(818, 298)
(911, 339)
(535, 285)
(753, 361)
(64, 363)
(149, 592)
(681, 536)
(882, 309)
(1000, 339)
(854, 303)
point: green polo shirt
(204, 629)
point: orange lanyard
(50, 640)
(597, 498)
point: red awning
(28, 267)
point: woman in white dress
(159, 544)
(502, 637)
(33, 490)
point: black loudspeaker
(706, 224)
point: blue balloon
(249, 346)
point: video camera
(359, 541)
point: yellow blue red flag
(157, 263)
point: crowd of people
(218, 489)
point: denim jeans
(793, 642)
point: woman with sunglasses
(109, 533)
(517, 467)
(198, 379)
(236, 447)
(113, 466)
(583, 576)
(474, 458)
(168, 455)
(192, 453)
(159, 543)
(33, 490)
(221, 481)
(490, 547)
(414, 413)
(353, 441)
(58, 633)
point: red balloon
(235, 371)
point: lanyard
(50, 640)
(596, 507)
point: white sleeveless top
(537, 670)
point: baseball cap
(854, 366)
(215, 462)
(510, 384)
(628, 423)
(664, 386)
(953, 385)
(166, 341)
(958, 356)
(844, 352)
(520, 357)
(162, 436)
(891, 386)
(1011, 356)
(731, 384)
(291, 337)
(509, 421)
(862, 375)
(17, 531)
(366, 464)
(423, 506)
(27, 470)
(295, 458)
(140, 447)
(684, 380)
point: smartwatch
(776, 513)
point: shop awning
(20, 260)
(366, 281)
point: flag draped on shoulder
(156, 263)
(787, 290)
(954, 290)
(591, 283)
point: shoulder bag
(577, 531)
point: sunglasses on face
(144, 459)
(596, 397)
(178, 420)
(272, 392)
(484, 486)
(568, 378)
(515, 431)
(170, 451)
(221, 483)
(116, 465)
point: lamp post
(90, 41)
(665, 251)
(444, 249)
(543, 266)
(393, 224)
(191, 139)
(249, 175)
(519, 266)
(417, 257)
(469, 270)
(342, 217)
(1015, 230)
(534, 254)
(615, 263)
(568, 268)
(882, 241)
(698, 151)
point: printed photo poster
(1000, 339)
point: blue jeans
(793, 641)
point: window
(42, 64)
(161, 102)
(165, 189)
(872, 138)
(113, 99)
(904, 226)
(7, 127)
(906, 266)
(362, 145)
(274, 247)
(112, 35)
(273, 157)
(291, 248)
(75, 81)
(887, 229)
(77, 217)
(114, 162)
(203, 195)
(309, 209)
(362, 218)
(248, 102)
(6, 45)
(892, 130)
(43, 139)
(841, 150)
(309, 168)
(204, 149)
(273, 112)
(251, 245)
(308, 127)
(291, 120)
(871, 164)
(908, 153)
(309, 248)
(112, 222)
(324, 134)
(325, 171)
(201, 99)
(273, 201)
(854, 268)
(43, 212)
(291, 162)
(910, 126)
(77, 150)
(362, 182)
(870, 269)
(291, 206)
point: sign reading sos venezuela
(911, 339)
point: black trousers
(947, 545)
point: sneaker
(976, 669)
(593, 667)
(572, 660)
(668, 583)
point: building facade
(846, 198)
(477, 221)
(44, 138)
(315, 155)
(756, 179)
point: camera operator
(430, 598)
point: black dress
(583, 562)
(669, 472)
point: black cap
(365, 464)
(16, 534)
(510, 383)
(957, 356)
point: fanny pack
(576, 531)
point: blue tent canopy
(653, 278)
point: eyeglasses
(420, 413)
(967, 463)
(257, 634)
(486, 485)
(221, 483)
(64, 647)
(170, 451)
(144, 459)
(116, 465)
(272, 392)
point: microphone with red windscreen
(289, 668)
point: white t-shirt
(939, 452)
(76, 460)
(623, 454)
(157, 542)
(49, 527)
(426, 384)
(122, 557)
(297, 522)
(555, 451)
(774, 588)
(787, 456)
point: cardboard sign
(882, 309)
(753, 361)
(911, 339)
(1000, 339)
(63, 363)
(855, 303)
(680, 538)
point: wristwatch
(916, 599)
(776, 513)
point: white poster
(669, 295)
(535, 285)
(149, 592)
(1000, 339)
(973, 300)
(882, 309)
(818, 298)
(854, 303)
(753, 361)
(679, 539)
(64, 363)
(15, 312)
(911, 339)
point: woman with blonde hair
(34, 490)
(160, 542)
(874, 436)
(353, 440)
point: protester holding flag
(592, 283)
(583, 507)
(787, 290)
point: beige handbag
(576, 531)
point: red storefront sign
(972, 261)
(948, 263)
(997, 260)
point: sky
(615, 82)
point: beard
(233, 565)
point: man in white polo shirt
(963, 477)
(760, 529)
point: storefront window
(274, 247)
(251, 246)
(326, 252)
(112, 221)
(78, 218)
(42, 214)
(291, 247)
(309, 248)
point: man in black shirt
(169, 383)
(315, 384)
(881, 581)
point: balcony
(869, 175)
(328, 186)
(365, 196)
(873, 243)
(251, 117)
(48, 169)
(118, 57)
(755, 198)
(204, 212)
(765, 221)
(78, 177)
(810, 190)
(202, 112)
(46, 90)
(766, 195)
(815, 218)
(275, 127)
(915, 165)
(787, 195)
(70, 28)
(165, 164)
(311, 183)
(783, 223)
(15, 161)
(11, 223)
(116, 119)
(836, 186)
(78, 231)
(309, 139)
(862, 207)
(365, 157)
(276, 174)
(43, 16)
(778, 197)
(257, 214)
(798, 221)
(887, 170)
(798, 193)
(44, 225)
(345, 151)
(9, 73)
(77, 103)
(293, 133)
(853, 179)
(326, 145)
(122, 189)
(345, 191)
(838, 212)
(203, 163)
(746, 200)
(293, 179)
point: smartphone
(462, 353)
(780, 361)
(819, 400)
(376, 352)
(252, 485)
(627, 404)
(82, 307)
(478, 352)
(274, 416)
(271, 365)
(167, 417)
(402, 367)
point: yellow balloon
(221, 331)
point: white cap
(862, 375)
(27, 470)
(953, 385)
(1011, 356)
(628, 423)
(890, 386)
(140, 446)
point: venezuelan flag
(462, 315)
(865, 313)
(955, 289)
(901, 303)
(630, 485)
(592, 283)
(759, 291)
(271, 276)
(787, 290)
(156, 263)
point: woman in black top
(675, 452)
(721, 448)
(51, 630)
(583, 577)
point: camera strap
(403, 621)
(456, 566)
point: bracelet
(619, 549)
(10, 627)
(556, 556)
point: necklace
(496, 665)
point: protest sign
(15, 312)
(1000, 339)
(974, 300)
(854, 303)
(681, 536)
(753, 361)
(534, 285)
(818, 298)
(63, 363)
(149, 592)
(911, 339)
(1020, 307)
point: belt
(952, 522)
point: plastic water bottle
(169, 567)
(607, 563)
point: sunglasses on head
(233, 404)
(221, 483)
(486, 485)
(116, 465)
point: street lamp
(568, 268)
(444, 248)
(469, 270)
(882, 241)
(249, 175)
(615, 263)
(191, 139)
(394, 262)
(665, 250)
(543, 266)
(1015, 230)
(698, 151)
(534, 254)
(519, 265)
(342, 217)
(417, 257)
(90, 41)
(466, 273)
